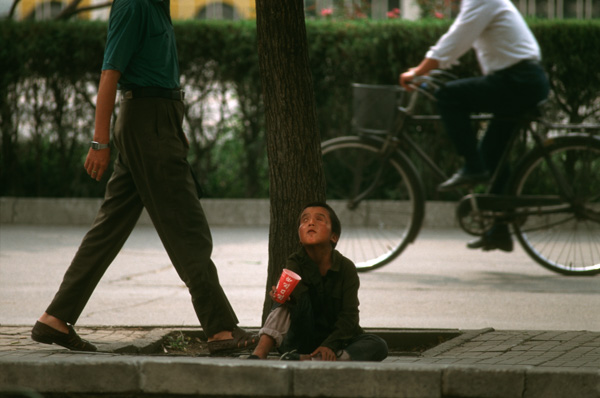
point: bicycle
(552, 204)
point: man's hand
(97, 162)
(325, 353)
(422, 69)
(406, 78)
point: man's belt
(153, 92)
(525, 62)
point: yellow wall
(188, 9)
(26, 7)
(180, 9)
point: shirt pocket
(155, 47)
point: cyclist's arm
(422, 69)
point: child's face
(315, 227)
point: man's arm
(97, 161)
(473, 17)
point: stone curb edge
(100, 374)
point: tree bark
(292, 136)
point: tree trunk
(292, 136)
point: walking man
(150, 172)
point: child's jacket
(332, 300)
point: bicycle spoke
(565, 241)
(546, 226)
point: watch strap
(95, 145)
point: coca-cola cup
(287, 283)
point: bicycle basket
(374, 107)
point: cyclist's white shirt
(495, 29)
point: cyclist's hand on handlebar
(422, 69)
(406, 78)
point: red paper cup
(287, 283)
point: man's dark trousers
(150, 171)
(506, 94)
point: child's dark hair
(336, 226)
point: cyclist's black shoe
(463, 178)
(496, 238)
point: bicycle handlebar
(426, 85)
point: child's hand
(325, 353)
(273, 292)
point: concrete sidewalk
(473, 363)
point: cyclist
(512, 82)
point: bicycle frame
(398, 140)
(552, 201)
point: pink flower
(326, 12)
(439, 15)
(395, 13)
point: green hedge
(50, 72)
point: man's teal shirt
(141, 44)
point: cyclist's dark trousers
(506, 94)
(150, 171)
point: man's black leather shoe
(43, 333)
(492, 241)
(463, 178)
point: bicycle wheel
(565, 238)
(380, 203)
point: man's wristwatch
(96, 146)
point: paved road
(436, 283)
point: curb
(101, 375)
(219, 212)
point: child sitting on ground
(320, 319)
